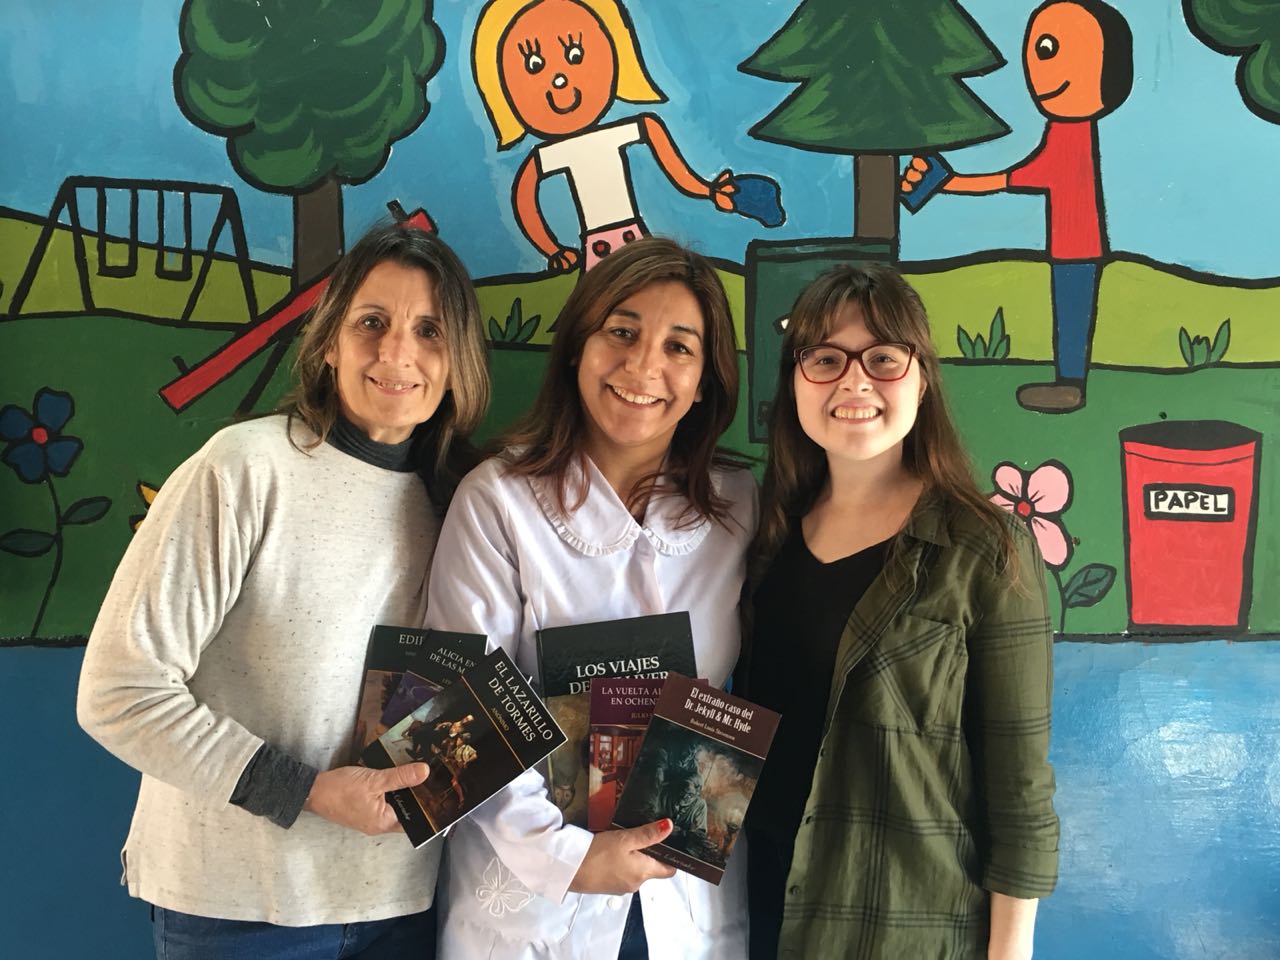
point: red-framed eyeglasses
(826, 363)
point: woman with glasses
(899, 624)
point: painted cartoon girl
(554, 68)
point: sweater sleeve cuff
(274, 785)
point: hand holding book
(617, 862)
(478, 734)
(698, 766)
(355, 797)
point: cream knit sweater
(240, 614)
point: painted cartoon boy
(1078, 59)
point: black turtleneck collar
(351, 440)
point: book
(570, 657)
(698, 766)
(935, 177)
(476, 735)
(413, 692)
(436, 656)
(620, 712)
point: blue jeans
(181, 936)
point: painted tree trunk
(317, 231)
(875, 186)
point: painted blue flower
(36, 447)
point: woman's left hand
(722, 190)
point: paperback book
(698, 766)
(569, 658)
(620, 712)
(436, 657)
(476, 735)
(413, 692)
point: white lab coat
(507, 564)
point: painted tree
(310, 94)
(877, 80)
(1251, 31)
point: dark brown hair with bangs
(548, 440)
(932, 451)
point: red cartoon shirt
(1065, 168)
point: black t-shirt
(800, 610)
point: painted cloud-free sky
(87, 88)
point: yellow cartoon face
(1063, 61)
(558, 67)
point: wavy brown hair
(442, 453)
(932, 452)
(548, 440)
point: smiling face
(1062, 57)
(558, 67)
(856, 418)
(639, 374)
(390, 360)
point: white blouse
(509, 563)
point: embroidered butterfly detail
(500, 892)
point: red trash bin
(1190, 508)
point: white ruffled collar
(603, 525)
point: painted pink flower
(1038, 498)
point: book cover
(476, 735)
(569, 658)
(620, 712)
(698, 765)
(413, 692)
(437, 656)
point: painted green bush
(994, 346)
(516, 329)
(1198, 352)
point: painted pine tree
(310, 95)
(877, 80)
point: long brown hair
(932, 452)
(548, 440)
(441, 451)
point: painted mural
(1079, 190)
(167, 276)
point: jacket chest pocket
(911, 680)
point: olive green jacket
(932, 786)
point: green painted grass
(1140, 310)
(995, 428)
(114, 367)
(129, 436)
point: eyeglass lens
(881, 361)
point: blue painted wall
(1168, 764)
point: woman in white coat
(611, 499)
